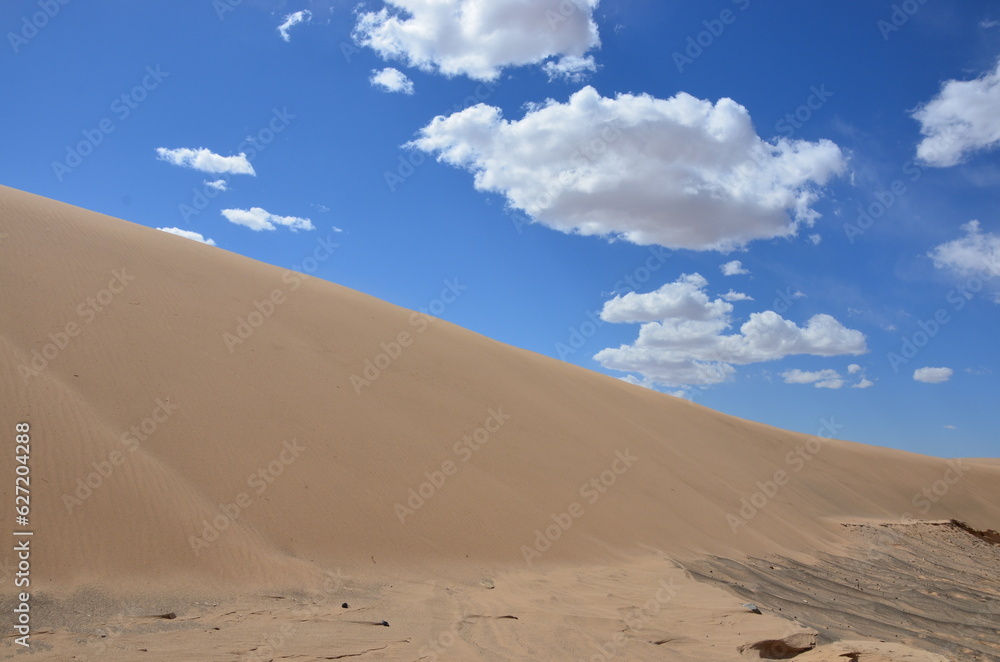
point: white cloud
(820, 379)
(678, 172)
(206, 161)
(687, 345)
(815, 239)
(188, 234)
(827, 378)
(291, 20)
(975, 252)
(218, 185)
(731, 295)
(391, 80)
(933, 375)
(258, 219)
(478, 38)
(963, 118)
(570, 67)
(734, 268)
(950, 427)
(685, 298)
(863, 381)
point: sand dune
(208, 425)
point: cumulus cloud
(206, 160)
(974, 252)
(570, 68)
(734, 268)
(478, 38)
(188, 234)
(683, 339)
(684, 298)
(933, 375)
(218, 185)
(258, 219)
(291, 20)
(820, 379)
(962, 119)
(828, 378)
(391, 80)
(732, 295)
(678, 172)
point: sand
(249, 448)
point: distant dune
(205, 424)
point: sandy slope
(257, 461)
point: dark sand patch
(930, 585)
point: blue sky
(593, 168)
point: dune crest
(206, 421)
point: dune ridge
(206, 421)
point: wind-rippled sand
(248, 448)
